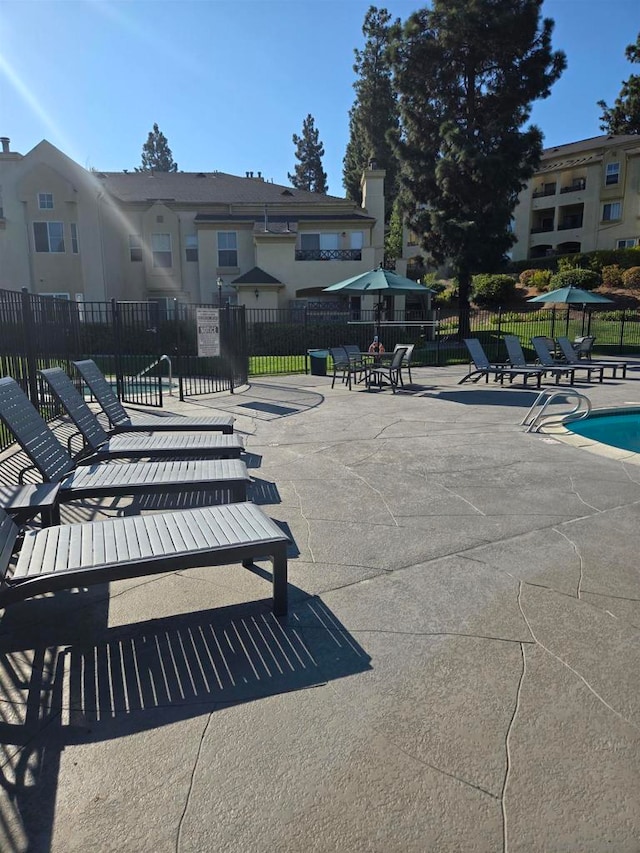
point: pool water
(618, 429)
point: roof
(256, 276)
(206, 188)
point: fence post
(553, 322)
(437, 315)
(30, 345)
(621, 346)
(499, 328)
(117, 348)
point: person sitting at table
(376, 346)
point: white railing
(533, 420)
(155, 364)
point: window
(161, 250)
(319, 242)
(55, 296)
(626, 244)
(227, 249)
(357, 240)
(613, 174)
(45, 201)
(74, 238)
(48, 236)
(191, 247)
(135, 248)
(612, 211)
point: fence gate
(140, 371)
(206, 375)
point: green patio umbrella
(379, 281)
(570, 296)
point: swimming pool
(617, 428)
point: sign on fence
(208, 323)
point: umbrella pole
(566, 331)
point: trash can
(318, 361)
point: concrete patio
(459, 669)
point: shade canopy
(379, 281)
(570, 296)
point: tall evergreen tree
(467, 72)
(373, 119)
(309, 174)
(156, 153)
(624, 115)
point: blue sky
(230, 81)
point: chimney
(250, 174)
(260, 175)
(246, 174)
(5, 144)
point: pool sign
(208, 323)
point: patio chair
(55, 465)
(98, 444)
(79, 555)
(343, 365)
(583, 346)
(381, 373)
(406, 361)
(356, 359)
(572, 357)
(121, 421)
(483, 367)
(546, 359)
(517, 359)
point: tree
(393, 238)
(309, 174)
(373, 119)
(156, 153)
(467, 72)
(624, 116)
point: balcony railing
(575, 187)
(328, 254)
(567, 224)
(544, 192)
(542, 229)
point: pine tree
(156, 153)
(373, 119)
(393, 238)
(308, 174)
(624, 116)
(467, 72)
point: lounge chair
(100, 446)
(517, 359)
(583, 345)
(483, 367)
(389, 374)
(572, 357)
(546, 359)
(109, 480)
(120, 420)
(78, 555)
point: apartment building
(584, 196)
(205, 237)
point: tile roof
(206, 188)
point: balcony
(328, 254)
(570, 222)
(575, 186)
(542, 229)
(549, 189)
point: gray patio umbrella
(570, 296)
(379, 281)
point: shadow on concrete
(68, 679)
(263, 492)
(494, 396)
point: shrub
(569, 262)
(493, 289)
(524, 279)
(631, 278)
(612, 276)
(540, 280)
(586, 279)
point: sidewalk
(459, 670)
